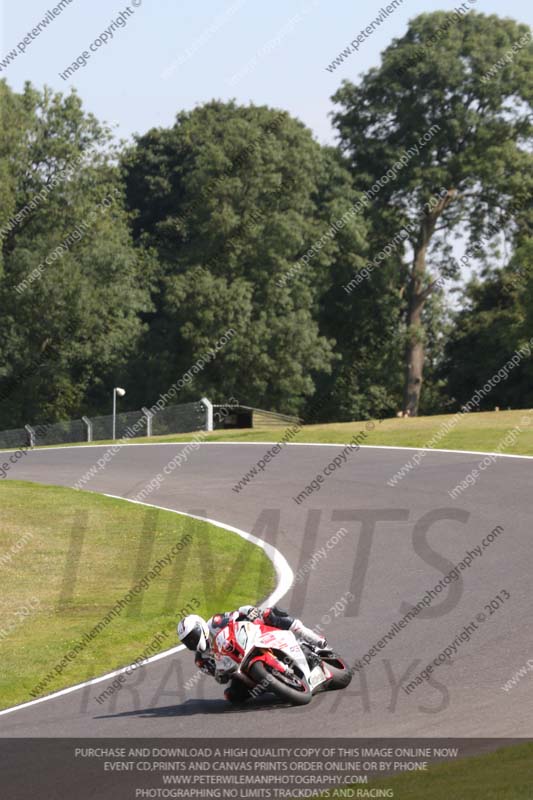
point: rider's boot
(301, 632)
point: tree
(231, 198)
(362, 316)
(495, 321)
(453, 125)
(73, 285)
(13, 119)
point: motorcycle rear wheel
(271, 683)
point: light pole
(120, 392)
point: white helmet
(194, 633)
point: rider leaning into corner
(198, 635)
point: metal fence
(183, 418)
(180, 419)
(17, 437)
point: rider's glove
(207, 665)
(253, 614)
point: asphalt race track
(395, 561)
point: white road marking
(287, 444)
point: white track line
(284, 574)
(257, 444)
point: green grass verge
(481, 431)
(506, 774)
(72, 555)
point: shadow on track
(192, 707)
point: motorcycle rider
(198, 634)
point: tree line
(121, 264)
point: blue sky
(172, 55)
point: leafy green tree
(364, 320)
(495, 320)
(460, 129)
(13, 119)
(73, 285)
(231, 198)
(487, 332)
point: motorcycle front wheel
(298, 693)
(342, 676)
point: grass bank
(483, 431)
(66, 560)
(506, 774)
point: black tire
(271, 683)
(342, 676)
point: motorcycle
(268, 659)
